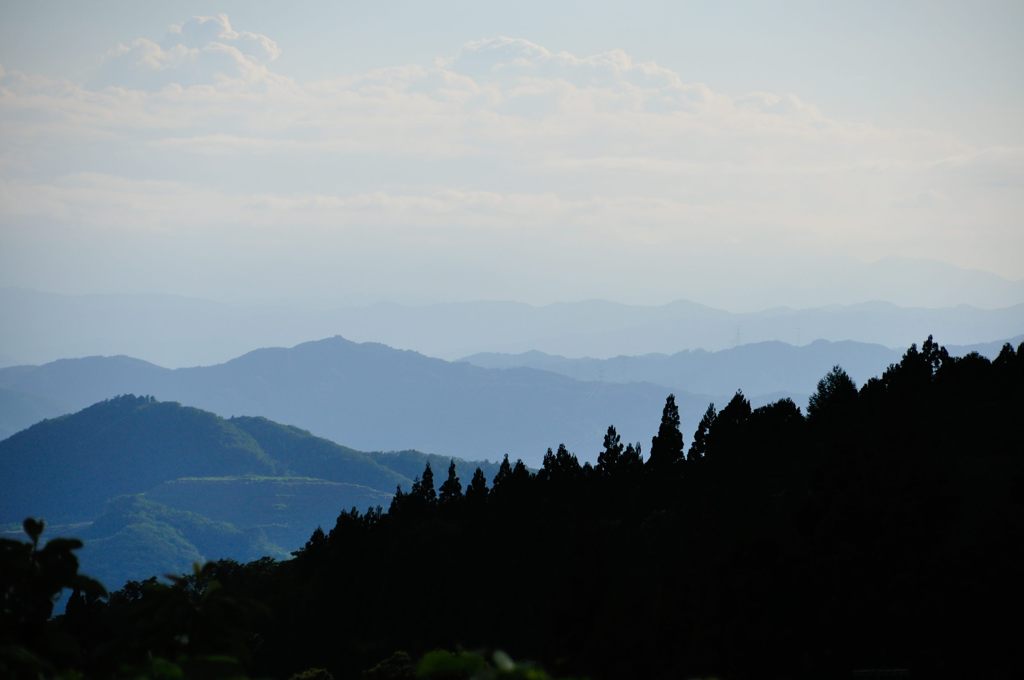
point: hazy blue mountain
(985, 349)
(762, 368)
(155, 486)
(66, 468)
(176, 331)
(374, 397)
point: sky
(533, 151)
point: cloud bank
(503, 156)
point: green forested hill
(136, 538)
(300, 453)
(67, 467)
(156, 486)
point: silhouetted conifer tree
(1006, 356)
(559, 466)
(477, 489)
(502, 475)
(667, 445)
(317, 540)
(397, 500)
(933, 355)
(451, 489)
(423, 487)
(548, 463)
(917, 367)
(609, 460)
(632, 458)
(699, 446)
(728, 426)
(836, 391)
(520, 474)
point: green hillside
(136, 538)
(300, 453)
(283, 508)
(157, 486)
(66, 468)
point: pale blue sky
(436, 149)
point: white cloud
(201, 50)
(200, 32)
(505, 140)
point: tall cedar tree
(667, 445)
(699, 445)
(520, 474)
(560, 466)
(477, 489)
(451, 489)
(423, 488)
(502, 475)
(609, 460)
(632, 458)
(728, 429)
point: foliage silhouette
(699, 445)
(835, 393)
(451, 488)
(477, 490)
(31, 580)
(667, 445)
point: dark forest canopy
(882, 533)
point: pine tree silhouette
(477, 490)
(423, 487)
(667, 445)
(835, 392)
(503, 474)
(609, 460)
(699, 446)
(451, 489)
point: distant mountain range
(374, 397)
(155, 486)
(762, 368)
(176, 331)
